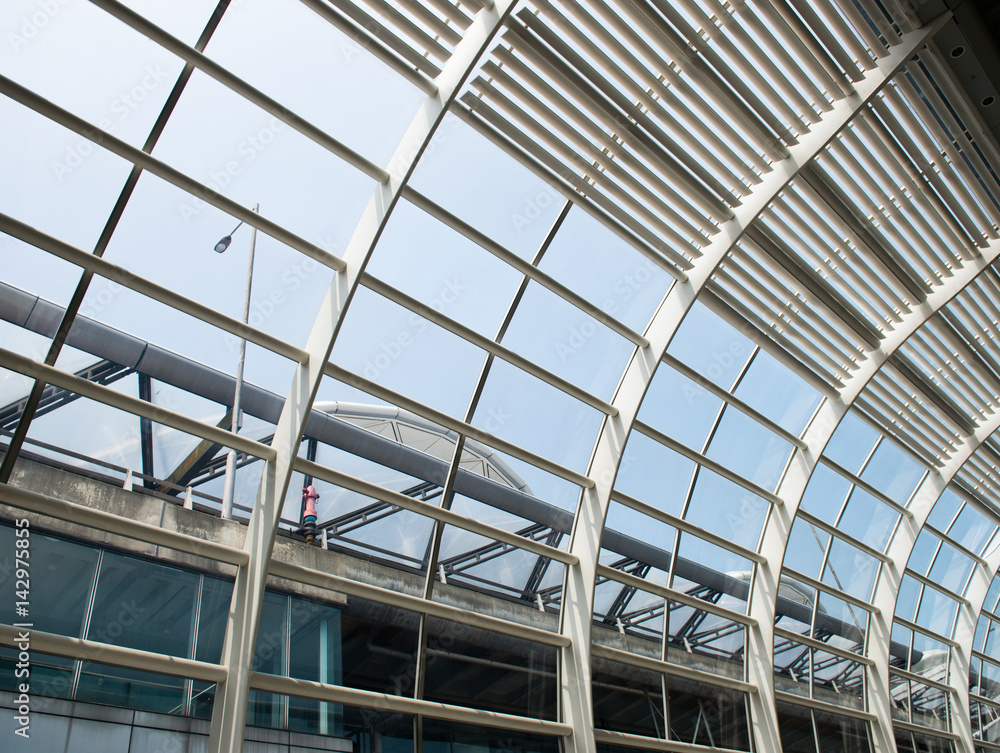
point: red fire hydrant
(309, 497)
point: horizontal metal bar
(99, 520)
(672, 594)
(668, 668)
(651, 743)
(162, 170)
(829, 590)
(351, 587)
(920, 679)
(99, 266)
(403, 705)
(490, 346)
(432, 511)
(521, 265)
(208, 66)
(834, 531)
(683, 525)
(924, 631)
(118, 656)
(115, 399)
(865, 486)
(460, 427)
(385, 45)
(922, 730)
(818, 645)
(706, 462)
(938, 587)
(731, 399)
(831, 708)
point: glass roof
(699, 295)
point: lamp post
(237, 421)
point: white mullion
(732, 400)
(615, 156)
(625, 199)
(879, 223)
(815, 311)
(706, 124)
(672, 594)
(796, 65)
(484, 343)
(481, 117)
(957, 170)
(841, 42)
(524, 267)
(431, 510)
(860, 24)
(816, 59)
(912, 197)
(133, 405)
(838, 270)
(706, 462)
(815, 228)
(460, 427)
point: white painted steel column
(578, 601)
(230, 710)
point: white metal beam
(229, 713)
(578, 600)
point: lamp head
(222, 245)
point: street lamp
(230, 487)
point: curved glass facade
(571, 375)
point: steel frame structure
(889, 331)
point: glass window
(144, 605)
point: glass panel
(144, 605)
(216, 596)
(655, 474)
(850, 570)
(868, 519)
(841, 734)
(775, 391)
(50, 676)
(379, 647)
(851, 443)
(680, 408)
(796, 728)
(628, 699)
(448, 737)
(893, 472)
(130, 688)
(708, 715)
(57, 575)
(711, 347)
(748, 448)
(629, 287)
(467, 666)
(727, 509)
(806, 548)
(826, 494)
